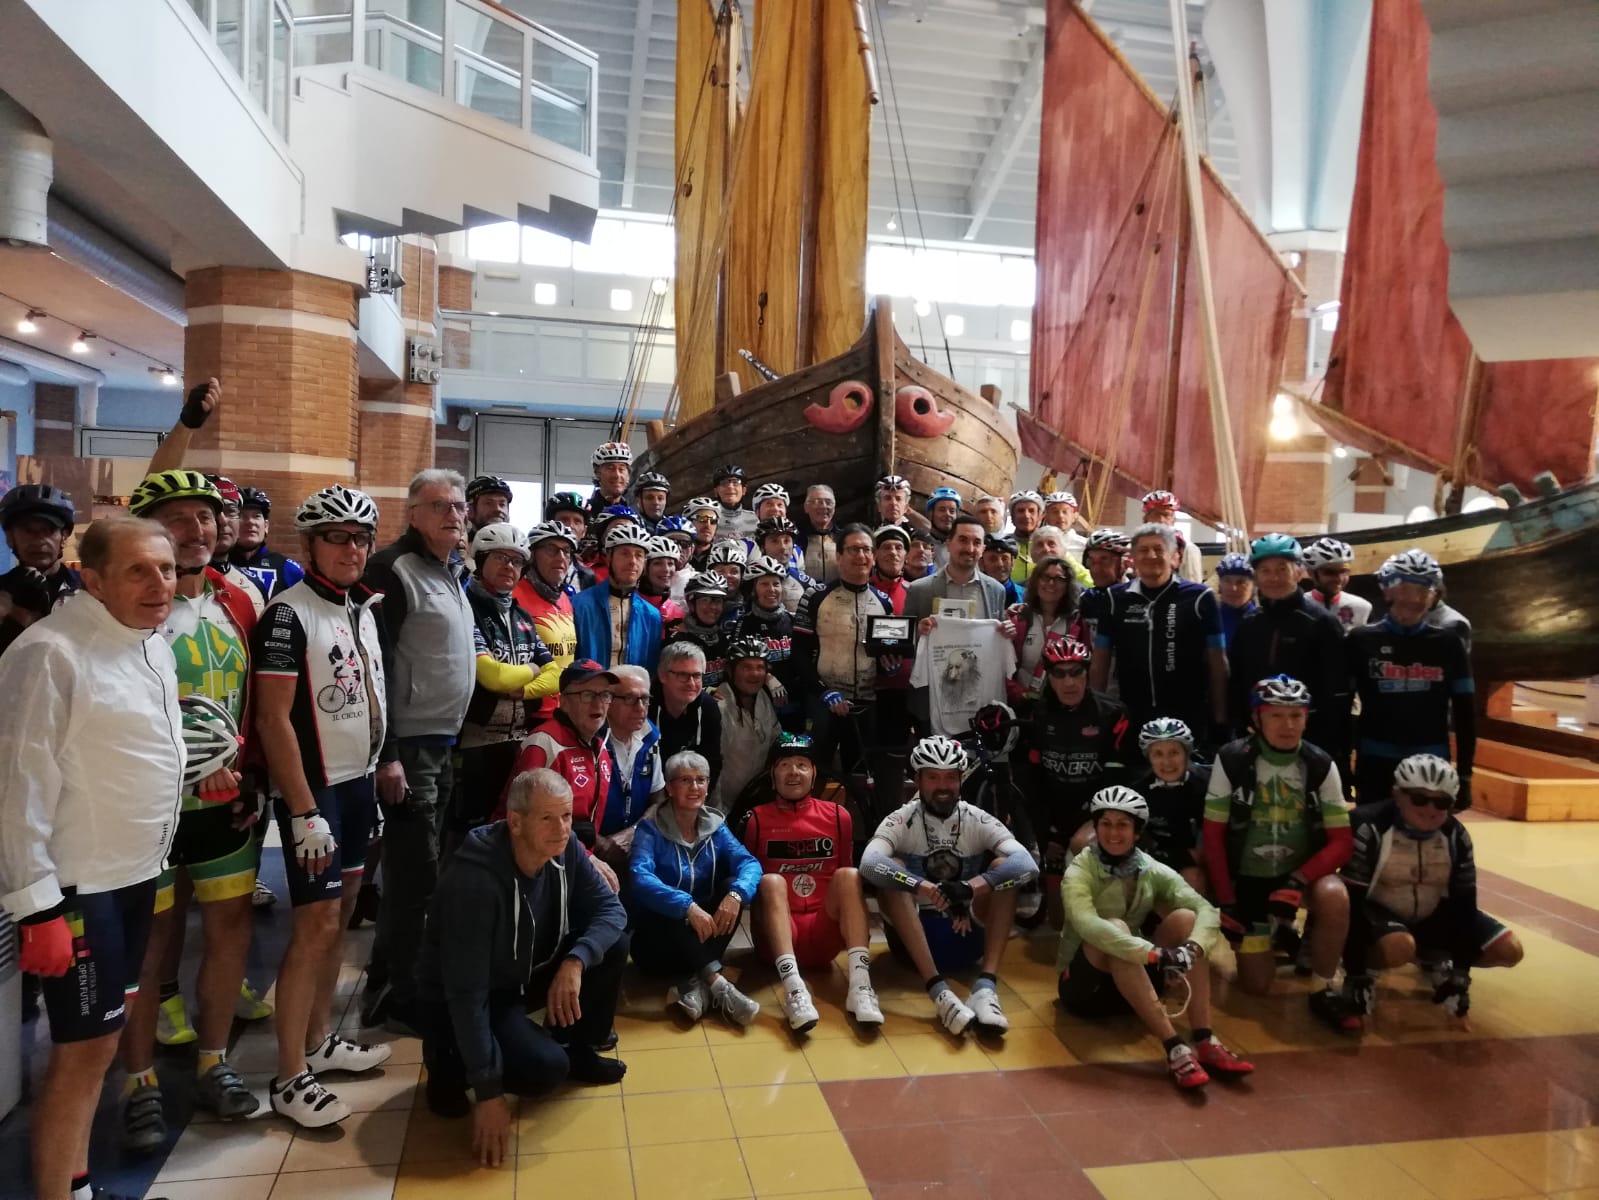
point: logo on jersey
(348, 686)
(797, 848)
(1404, 677)
(804, 886)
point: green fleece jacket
(1093, 897)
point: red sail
(1397, 376)
(1110, 225)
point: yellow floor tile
(430, 1138)
(848, 1058)
(1022, 1048)
(558, 1126)
(660, 1031)
(1355, 1173)
(1256, 1177)
(758, 1063)
(455, 1180)
(388, 1089)
(347, 1183)
(1110, 1042)
(362, 1139)
(768, 1111)
(664, 1117)
(679, 1070)
(800, 1164)
(690, 1171)
(600, 1174)
(217, 1150)
(1452, 1169)
(1149, 1181)
(938, 1053)
(769, 1029)
(1543, 1161)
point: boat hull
(767, 431)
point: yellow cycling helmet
(157, 488)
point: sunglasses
(1442, 803)
(1067, 672)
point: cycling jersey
(326, 639)
(712, 641)
(776, 629)
(1176, 813)
(804, 843)
(1352, 611)
(245, 582)
(510, 654)
(551, 611)
(1410, 681)
(1298, 637)
(819, 551)
(210, 639)
(960, 846)
(830, 640)
(1231, 616)
(735, 522)
(586, 766)
(1161, 639)
(1073, 753)
(273, 572)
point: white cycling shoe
(990, 1018)
(952, 1013)
(800, 1010)
(861, 1003)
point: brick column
(396, 418)
(55, 410)
(455, 295)
(1293, 486)
(1371, 486)
(283, 345)
(452, 449)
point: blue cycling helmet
(671, 525)
(1411, 566)
(1235, 564)
(943, 493)
(1275, 545)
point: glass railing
(257, 39)
(473, 52)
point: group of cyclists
(1256, 763)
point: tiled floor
(1419, 1109)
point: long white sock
(789, 975)
(860, 967)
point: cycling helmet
(1235, 564)
(1061, 498)
(768, 491)
(937, 752)
(1160, 499)
(565, 502)
(488, 485)
(210, 736)
(679, 526)
(612, 511)
(651, 481)
(746, 647)
(1107, 539)
(1427, 773)
(763, 566)
(1061, 652)
(727, 552)
(893, 483)
(727, 471)
(228, 490)
(502, 535)
(661, 547)
(1328, 552)
(1030, 497)
(1281, 691)
(37, 500)
(1165, 729)
(253, 497)
(943, 493)
(702, 504)
(706, 583)
(792, 745)
(996, 728)
(1275, 545)
(1411, 566)
(628, 534)
(551, 530)
(334, 504)
(156, 489)
(1120, 799)
(613, 452)
(884, 532)
(775, 525)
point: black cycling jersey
(1298, 637)
(1071, 754)
(712, 639)
(272, 572)
(776, 629)
(1176, 812)
(1092, 605)
(1411, 681)
(1161, 640)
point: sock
(1201, 1034)
(80, 1187)
(169, 989)
(312, 1049)
(138, 1080)
(985, 980)
(209, 1059)
(1324, 982)
(789, 975)
(1172, 1043)
(936, 985)
(860, 967)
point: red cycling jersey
(805, 843)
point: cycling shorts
(818, 940)
(109, 932)
(1252, 894)
(1091, 994)
(1434, 933)
(220, 860)
(350, 809)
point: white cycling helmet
(625, 533)
(727, 552)
(1165, 729)
(551, 529)
(1427, 773)
(1029, 496)
(1411, 566)
(701, 504)
(1280, 691)
(938, 752)
(503, 536)
(609, 452)
(1061, 498)
(1327, 552)
(210, 737)
(661, 547)
(1119, 799)
(336, 504)
(706, 583)
(763, 566)
(768, 491)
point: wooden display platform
(1534, 785)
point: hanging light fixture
(30, 323)
(81, 344)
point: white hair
(637, 676)
(535, 782)
(683, 761)
(1165, 533)
(820, 487)
(432, 477)
(1045, 531)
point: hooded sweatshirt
(489, 927)
(671, 873)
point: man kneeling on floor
(520, 921)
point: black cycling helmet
(651, 481)
(488, 485)
(565, 502)
(250, 497)
(37, 500)
(728, 471)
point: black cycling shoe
(1334, 1009)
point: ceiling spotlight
(169, 378)
(923, 308)
(892, 224)
(1340, 451)
(81, 344)
(658, 286)
(30, 323)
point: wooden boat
(845, 422)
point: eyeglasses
(1067, 672)
(1052, 578)
(1442, 803)
(504, 558)
(696, 781)
(687, 675)
(856, 550)
(445, 507)
(591, 697)
(360, 539)
(641, 698)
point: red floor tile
(1008, 1144)
(1206, 1125)
(913, 1154)
(1084, 1089)
(1099, 1140)
(1046, 1185)
(876, 1103)
(965, 1097)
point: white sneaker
(800, 1011)
(861, 1003)
(693, 997)
(984, 1003)
(735, 1005)
(954, 1015)
(307, 1103)
(337, 1054)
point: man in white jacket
(91, 766)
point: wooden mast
(810, 195)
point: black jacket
(489, 927)
(699, 729)
(1293, 636)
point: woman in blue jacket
(692, 879)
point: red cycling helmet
(1062, 652)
